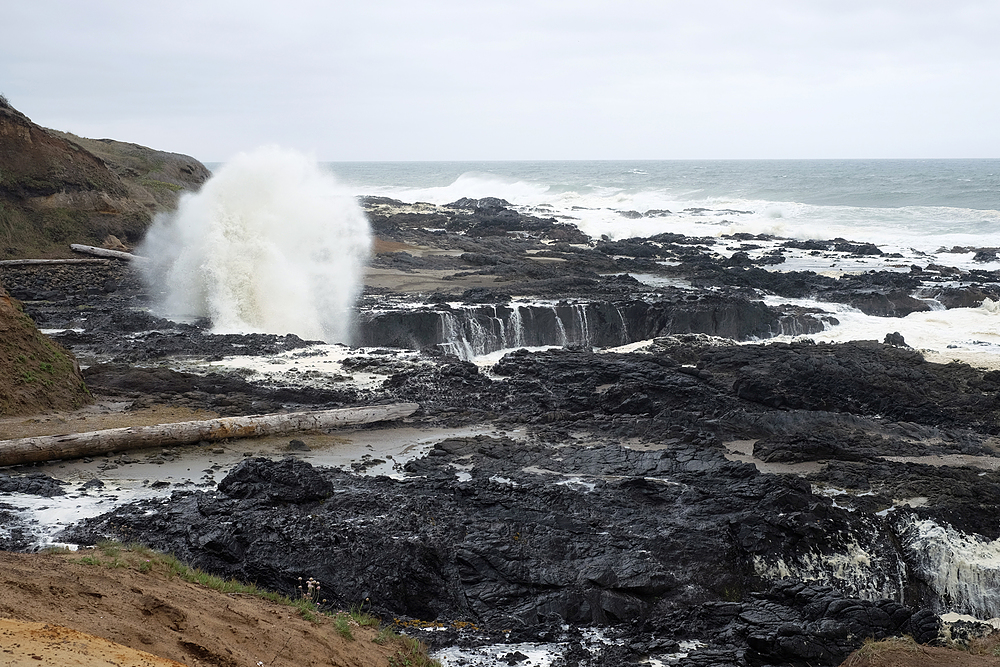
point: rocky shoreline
(687, 488)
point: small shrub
(384, 636)
(343, 625)
(109, 548)
(362, 618)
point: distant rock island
(57, 188)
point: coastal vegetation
(390, 647)
(36, 374)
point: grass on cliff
(407, 651)
(36, 374)
(48, 233)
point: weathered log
(104, 252)
(31, 262)
(76, 445)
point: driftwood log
(104, 252)
(76, 445)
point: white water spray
(270, 244)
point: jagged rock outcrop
(673, 543)
(480, 329)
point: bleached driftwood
(76, 445)
(104, 252)
(30, 262)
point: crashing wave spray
(270, 244)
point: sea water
(295, 264)
(925, 204)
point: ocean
(921, 204)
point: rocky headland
(57, 188)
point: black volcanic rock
(862, 378)
(226, 394)
(657, 537)
(35, 484)
(288, 481)
(611, 491)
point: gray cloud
(445, 79)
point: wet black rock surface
(227, 394)
(35, 484)
(651, 544)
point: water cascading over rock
(467, 330)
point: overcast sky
(514, 79)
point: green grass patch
(160, 185)
(343, 625)
(412, 653)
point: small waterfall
(625, 335)
(963, 570)
(516, 326)
(468, 331)
(802, 325)
(454, 339)
(932, 303)
(580, 310)
(479, 339)
(563, 338)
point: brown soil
(906, 653)
(95, 417)
(36, 374)
(132, 598)
(26, 643)
(380, 246)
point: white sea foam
(270, 244)
(855, 569)
(472, 185)
(971, 335)
(319, 366)
(922, 227)
(896, 204)
(964, 570)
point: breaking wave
(271, 243)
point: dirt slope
(49, 645)
(125, 598)
(57, 189)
